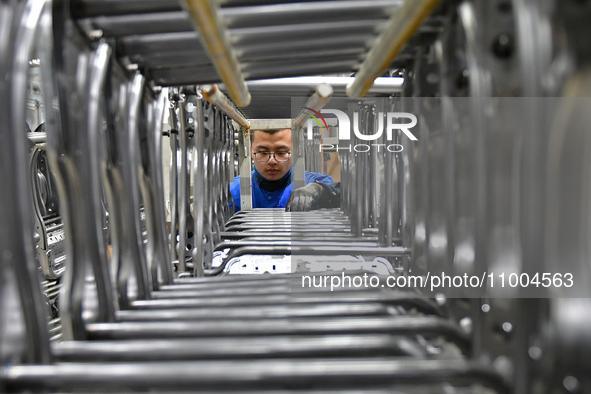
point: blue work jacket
(275, 199)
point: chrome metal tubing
(217, 98)
(259, 312)
(183, 183)
(133, 162)
(288, 237)
(174, 175)
(405, 300)
(75, 158)
(177, 42)
(320, 374)
(269, 69)
(292, 48)
(202, 238)
(402, 325)
(211, 349)
(158, 252)
(401, 27)
(93, 8)
(243, 17)
(214, 38)
(37, 138)
(17, 261)
(319, 99)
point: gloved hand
(304, 198)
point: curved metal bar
(160, 237)
(183, 184)
(130, 169)
(232, 171)
(15, 197)
(216, 186)
(173, 176)
(57, 128)
(200, 251)
(100, 65)
(116, 118)
(75, 156)
(209, 177)
(122, 170)
(150, 138)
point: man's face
(279, 142)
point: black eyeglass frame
(269, 156)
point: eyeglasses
(263, 157)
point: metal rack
(496, 183)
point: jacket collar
(272, 186)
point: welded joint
(215, 96)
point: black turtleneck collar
(272, 186)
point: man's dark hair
(268, 131)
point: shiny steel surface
(206, 300)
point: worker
(272, 176)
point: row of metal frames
(271, 39)
(202, 142)
(128, 322)
(146, 309)
(492, 185)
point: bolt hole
(505, 7)
(503, 46)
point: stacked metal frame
(495, 185)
